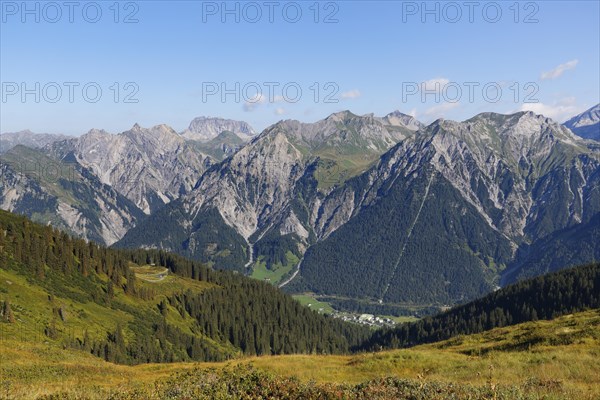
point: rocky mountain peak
(524, 128)
(149, 166)
(206, 128)
(100, 132)
(397, 118)
(586, 118)
(341, 116)
(586, 124)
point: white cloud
(279, 111)
(559, 70)
(259, 99)
(413, 113)
(434, 85)
(352, 94)
(252, 103)
(561, 110)
(440, 110)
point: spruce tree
(7, 314)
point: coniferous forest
(234, 315)
(237, 315)
(544, 297)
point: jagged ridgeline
(135, 306)
(384, 214)
(545, 297)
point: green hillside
(544, 297)
(148, 306)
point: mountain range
(365, 212)
(27, 138)
(99, 185)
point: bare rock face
(510, 168)
(254, 190)
(207, 128)
(151, 167)
(74, 199)
(258, 190)
(400, 119)
(119, 177)
(251, 187)
(586, 124)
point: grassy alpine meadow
(555, 359)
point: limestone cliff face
(586, 124)
(73, 199)
(206, 128)
(151, 167)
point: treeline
(235, 314)
(544, 297)
(252, 315)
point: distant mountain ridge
(146, 166)
(206, 128)
(27, 138)
(586, 124)
(149, 166)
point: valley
(74, 312)
(311, 207)
(324, 200)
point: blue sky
(369, 57)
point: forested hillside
(544, 297)
(567, 247)
(62, 286)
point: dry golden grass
(557, 359)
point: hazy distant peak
(206, 128)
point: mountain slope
(220, 147)
(567, 247)
(441, 216)
(268, 190)
(435, 220)
(545, 297)
(151, 167)
(65, 195)
(149, 306)
(528, 362)
(586, 124)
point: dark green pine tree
(7, 314)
